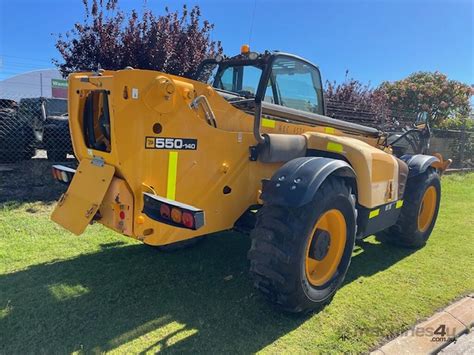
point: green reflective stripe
(268, 123)
(399, 204)
(172, 171)
(374, 213)
(334, 147)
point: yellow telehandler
(165, 159)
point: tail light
(62, 173)
(165, 211)
(171, 212)
(188, 220)
(176, 215)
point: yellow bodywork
(377, 171)
(140, 99)
(79, 204)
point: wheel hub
(321, 244)
(325, 247)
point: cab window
(96, 121)
(296, 85)
(242, 79)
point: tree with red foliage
(174, 43)
(399, 101)
(353, 101)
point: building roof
(30, 84)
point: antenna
(251, 23)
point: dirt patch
(30, 181)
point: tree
(353, 101)
(174, 43)
(430, 92)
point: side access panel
(377, 172)
(78, 205)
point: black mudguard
(296, 182)
(418, 163)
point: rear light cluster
(177, 215)
(62, 173)
(171, 212)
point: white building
(31, 84)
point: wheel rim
(325, 247)
(427, 209)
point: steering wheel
(246, 93)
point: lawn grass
(104, 292)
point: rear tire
(288, 242)
(419, 211)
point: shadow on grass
(370, 258)
(179, 302)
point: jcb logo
(150, 143)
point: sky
(376, 40)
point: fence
(365, 114)
(39, 128)
(34, 127)
(457, 145)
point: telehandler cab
(165, 159)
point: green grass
(104, 292)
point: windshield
(56, 107)
(293, 82)
(296, 85)
(240, 79)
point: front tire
(299, 256)
(419, 211)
